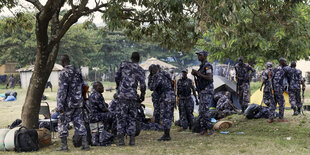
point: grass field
(259, 137)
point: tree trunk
(45, 60)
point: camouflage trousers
(279, 99)
(186, 106)
(77, 117)
(204, 115)
(223, 106)
(105, 117)
(267, 98)
(156, 105)
(244, 95)
(166, 114)
(295, 98)
(126, 117)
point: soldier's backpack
(26, 140)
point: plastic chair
(45, 110)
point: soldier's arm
(209, 73)
(142, 85)
(178, 88)
(118, 76)
(62, 92)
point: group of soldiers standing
(130, 76)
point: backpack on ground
(26, 140)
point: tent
(257, 98)
(223, 84)
(145, 65)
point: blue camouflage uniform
(294, 89)
(186, 103)
(267, 93)
(243, 80)
(278, 82)
(156, 105)
(161, 84)
(70, 101)
(223, 104)
(128, 76)
(206, 92)
(99, 108)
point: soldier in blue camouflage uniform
(294, 89)
(99, 108)
(70, 103)
(161, 83)
(186, 104)
(278, 83)
(204, 84)
(155, 100)
(127, 78)
(268, 90)
(224, 103)
(243, 76)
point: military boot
(298, 110)
(121, 141)
(64, 146)
(132, 141)
(85, 145)
(166, 136)
(295, 111)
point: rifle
(237, 86)
(303, 101)
(271, 89)
(197, 88)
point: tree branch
(36, 3)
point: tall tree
(138, 16)
(259, 30)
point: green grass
(259, 137)
(254, 86)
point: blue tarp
(10, 98)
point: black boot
(132, 141)
(298, 110)
(64, 146)
(121, 141)
(166, 136)
(85, 145)
(295, 111)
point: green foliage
(259, 30)
(18, 44)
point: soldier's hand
(260, 89)
(197, 102)
(143, 106)
(141, 98)
(194, 72)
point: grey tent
(223, 84)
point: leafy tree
(137, 16)
(259, 30)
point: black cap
(184, 70)
(282, 59)
(204, 53)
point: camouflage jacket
(243, 72)
(97, 102)
(294, 79)
(128, 76)
(185, 87)
(205, 86)
(161, 83)
(279, 79)
(69, 93)
(267, 80)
